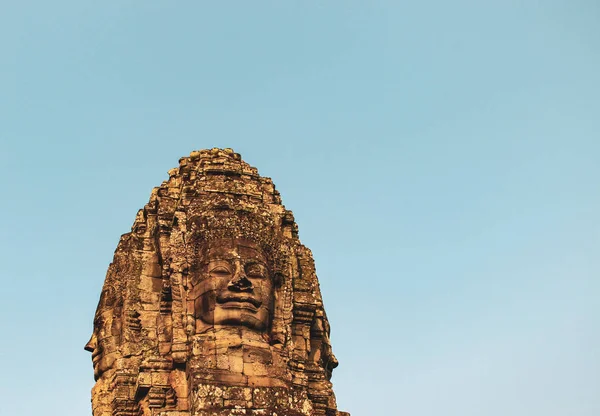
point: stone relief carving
(211, 305)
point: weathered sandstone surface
(211, 305)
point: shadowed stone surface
(211, 305)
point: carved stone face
(103, 343)
(234, 286)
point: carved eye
(255, 270)
(220, 270)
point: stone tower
(211, 305)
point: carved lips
(96, 356)
(238, 301)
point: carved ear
(278, 279)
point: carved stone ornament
(211, 305)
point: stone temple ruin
(211, 305)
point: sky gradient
(441, 160)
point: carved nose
(91, 345)
(240, 283)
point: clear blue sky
(441, 157)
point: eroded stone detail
(211, 305)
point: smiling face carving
(103, 344)
(107, 333)
(233, 286)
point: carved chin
(103, 364)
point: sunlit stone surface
(211, 305)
